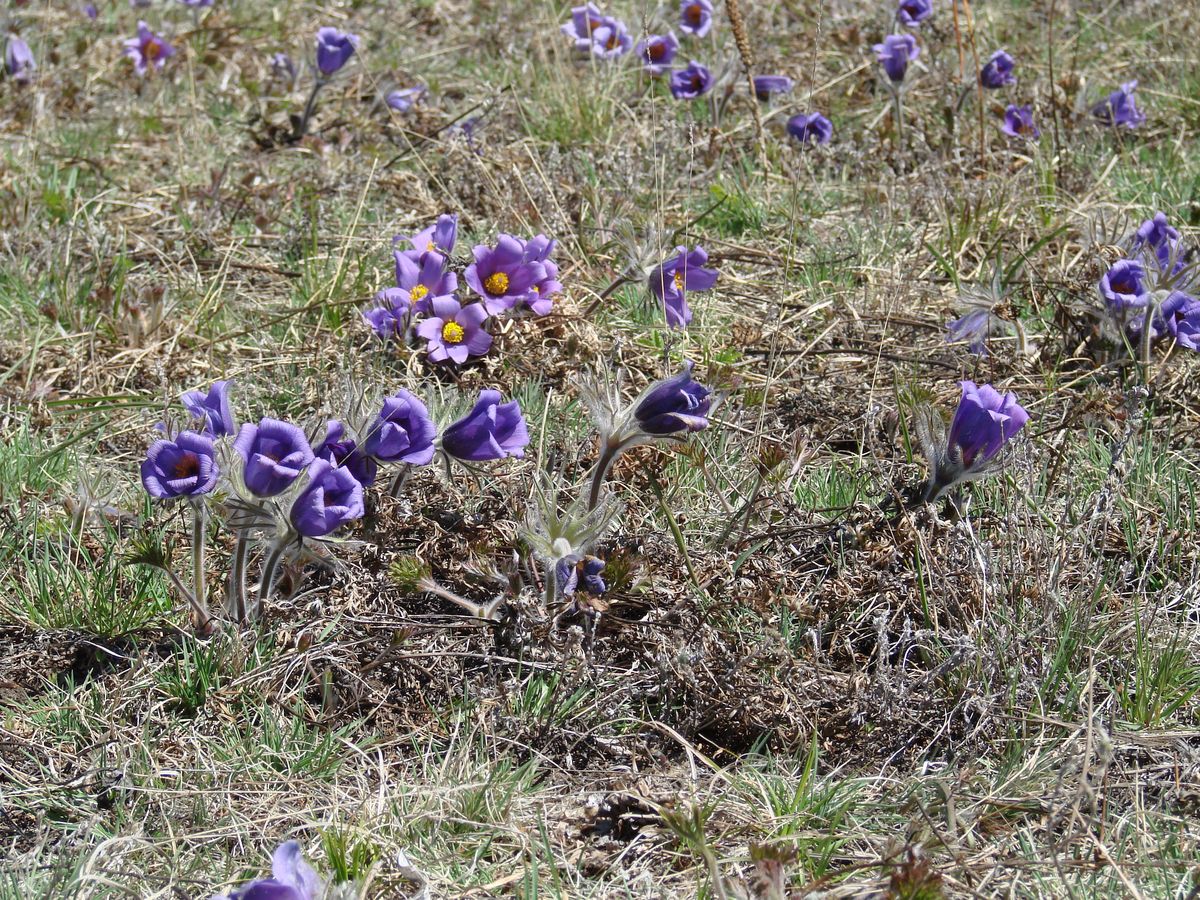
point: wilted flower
(275, 453)
(691, 82)
(491, 430)
(402, 99)
(502, 275)
(810, 128)
(914, 12)
(423, 276)
(578, 571)
(997, 71)
(657, 52)
(673, 405)
(1120, 109)
(895, 53)
(1124, 285)
(18, 60)
(213, 408)
(334, 49)
(147, 49)
(343, 452)
(332, 497)
(695, 17)
(184, 467)
(283, 67)
(671, 280)
(454, 331)
(403, 432)
(766, 85)
(291, 879)
(1018, 123)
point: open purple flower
(912, 13)
(695, 17)
(491, 430)
(998, 71)
(440, 237)
(1018, 123)
(673, 405)
(538, 250)
(275, 453)
(18, 60)
(423, 276)
(334, 49)
(147, 50)
(691, 82)
(213, 408)
(810, 128)
(403, 432)
(184, 467)
(657, 52)
(332, 498)
(575, 571)
(611, 39)
(766, 86)
(283, 68)
(975, 326)
(895, 53)
(402, 99)
(1181, 314)
(1120, 110)
(672, 279)
(502, 275)
(344, 453)
(291, 879)
(454, 331)
(1157, 234)
(983, 423)
(1124, 286)
(584, 20)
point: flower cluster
(513, 276)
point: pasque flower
(693, 81)
(695, 17)
(1157, 235)
(657, 52)
(671, 280)
(1120, 110)
(674, 405)
(402, 99)
(913, 12)
(393, 310)
(1018, 123)
(423, 275)
(895, 53)
(454, 331)
(502, 275)
(810, 128)
(491, 430)
(1181, 314)
(998, 71)
(584, 20)
(18, 60)
(538, 250)
(440, 237)
(343, 452)
(331, 498)
(212, 408)
(147, 50)
(1124, 285)
(291, 879)
(275, 454)
(284, 68)
(611, 39)
(184, 467)
(403, 432)
(767, 85)
(334, 49)
(579, 571)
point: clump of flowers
(148, 50)
(672, 279)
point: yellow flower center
(429, 245)
(496, 283)
(678, 279)
(418, 291)
(452, 333)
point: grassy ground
(793, 692)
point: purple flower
(332, 497)
(454, 331)
(502, 276)
(491, 430)
(292, 879)
(1120, 109)
(584, 20)
(984, 422)
(283, 67)
(695, 17)
(611, 39)
(673, 405)
(18, 60)
(810, 128)
(184, 467)
(89, 10)
(657, 52)
(895, 53)
(213, 408)
(147, 49)
(671, 280)
(975, 327)
(275, 454)
(1157, 235)
(423, 276)
(390, 315)
(1124, 286)
(440, 236)
(691, 82)
(334, 49)
(403, 432)
(912, 13)
(998, 71)
(1181, 313)
(1018, 123)
(573, 569)
(538, 250)
(766, 85)
(343, 452)
(197, 4)
(402, 99)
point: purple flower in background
(810, 128)
(454, 331)
(674, 404)
(584, 20)
(291, 879)
(197, 4)
(983, 423)
(691, 82)
(184, 467)
(275, 453)
(403, 432)
(332, 497)
(147, 50)
(575, 571)
(18, 60)
(423, 276)
(390, 315)
(695, 17)
(895, 53)
(767, 85)
(538, 250)
(975, 327)
(1124, 285)
(89, 10)
(1181, 314)
(283, 67)
(440, 236)
(491, 430)
(213, 408)
(403, 99)
(334, 49)
(1018, 123)
(657, 52)
(502, 276)
(343, 452)
(611, 39)
(1157, 235)
(912, 13)
(1120, 109)
(998, 71)
(671, 280)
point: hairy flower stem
(898, 109)
(235, 592)
(551, 590)
(266, 583)
(200, 615)
(302, 125)
(398, 481)
(1147, 336)
(608, 456)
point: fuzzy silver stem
(201, 616)
(302, 126)
(235, 592)
(398, 481)
(608, 456)
(270, 567)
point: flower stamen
(496, 283)
(452, 333)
